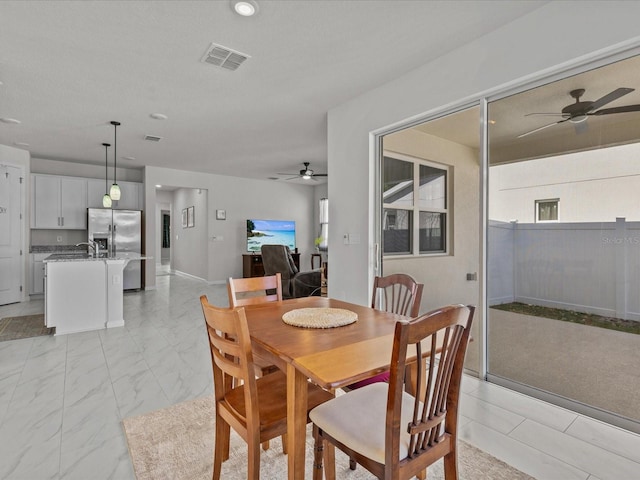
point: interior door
(10, 235)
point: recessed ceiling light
(128, 158)
(21, 144)
(158, 116)
(10, 120)
(246, 8)
(158, 186)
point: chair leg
(352, 463)
(451, 465)
(329, 461)
(422, 475)
(265, 445)
(317, 454)
(253, 454)
(221, 449)
(284, 443)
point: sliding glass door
(563, 246)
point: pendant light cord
(115, 149)
(106, 168)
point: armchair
(277, 259)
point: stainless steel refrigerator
(119, 231)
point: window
(414, 223)
(323, 239)
(547, 210)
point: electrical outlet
(59, 238)
(116, 279)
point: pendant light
(106, 200)
(114, 193)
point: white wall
(17, 157)
(189, 245)
(242, 199)
(594, 186)
(517, 52)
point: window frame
(547, 200)
(414, 248)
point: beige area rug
(13, 328)
(177, 443)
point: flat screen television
(270, 232)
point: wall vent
(152, 138)
(224, 57)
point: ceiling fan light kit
(578, 112)
(306, 173)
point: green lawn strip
(629, 326)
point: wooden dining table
(329, 357)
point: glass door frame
(579, 65)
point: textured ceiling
(68, 68)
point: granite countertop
(56, 249)
(85, 257)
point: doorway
(428, 211)
(11, 277)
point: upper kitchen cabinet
(58, 202)
(129, 198)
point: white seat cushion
(357, 419)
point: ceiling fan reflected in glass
(306, 173)
(578, 112)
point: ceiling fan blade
(547, 114)
(609, 97)
(291, 178)
(320, 174)
(290, 173)
(541, 128)
(623, 109)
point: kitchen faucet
(94, 245)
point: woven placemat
(319, 317)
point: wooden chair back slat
(398, 293)
(254, 290)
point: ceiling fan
(578, 112)
(306, 173)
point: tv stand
(252, 264)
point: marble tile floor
(62, 398)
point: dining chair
(256, 408)
(254, 291)
(397, 293)
(388, 431)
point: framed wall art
(190, 217)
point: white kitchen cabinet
(95, 192)
(37, 273)
(59, 202)
(129, 193)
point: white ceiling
(69, 67)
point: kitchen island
(83, 292)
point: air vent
(152, 138)
(224, 57)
